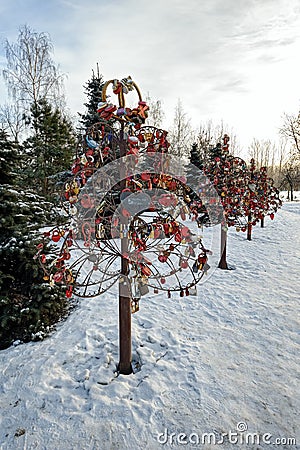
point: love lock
(120, 112)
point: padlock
(193, 290)
(56, 236)
(184, 263)
(195, 267)
(151, 235)
(121, 231)
(134, 306)
(144, 289)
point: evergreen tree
(195, 157)
(194, 172)
(48, 152)
(9, 158)
(93, 90)
(28, 309)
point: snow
(225, 357)
(284, 195)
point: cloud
(209, 53)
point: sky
(230, 60)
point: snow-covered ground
(220, 362)
(285, 196)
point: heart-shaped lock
(162, 258)
(58, 276)
(86, 201)
(184, 263)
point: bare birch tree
(291, 130)
(181, 135)
(12, 120)
(31, 74)
(209, 134)
(156, 114)
(264, 152)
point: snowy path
(229, 355)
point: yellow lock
(148, 137)
(75, 188)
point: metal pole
(249, 228)
(223, 262)
(125, 366)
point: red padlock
(185, 231)
(69, 292)
(86, 201)
(145, 270)
(166, 227)
(184, 263)
(69, 242)
(182, 214)
(178, 237)
(162, 258)
(145, 176)
(157, 232)
(56, 236)
(58, 276)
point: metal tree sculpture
(228, 174)
(263, 197)
(130, 217)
